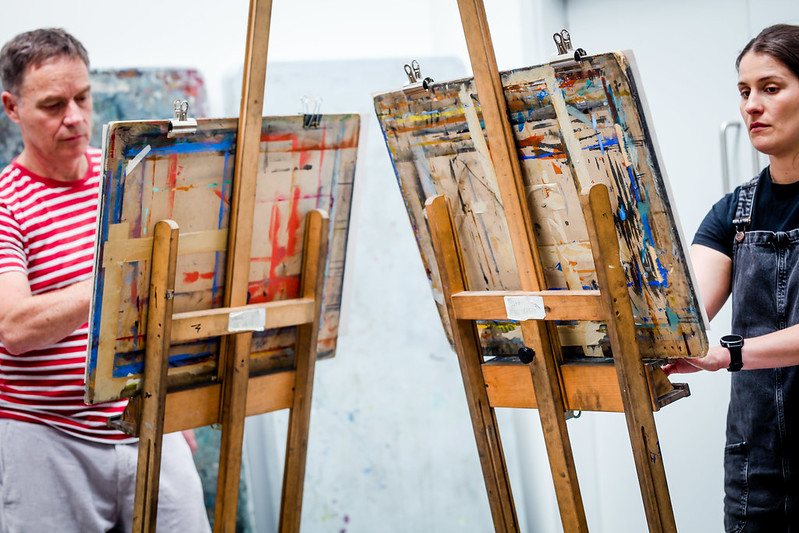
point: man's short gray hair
(33, 48)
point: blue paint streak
(598, 135)
(643, 209)
(130, 369)
(225, 144)
(633, 185)
(221, 218)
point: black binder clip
(566, 56)
(311, 117)
(416, 86)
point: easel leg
(484, 422)
(234, 370)
(313, 269)
(153, 394)
(636, 396)
(232, 410)
(551, 410)
(542, 338)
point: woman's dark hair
(33, 48)
(780, 41)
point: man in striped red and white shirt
(61, 466)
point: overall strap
(743, 211)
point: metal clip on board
(416, 86)
(180, 125)
(566, 56)
(311, 117)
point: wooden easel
(547, 382)
(155, 410)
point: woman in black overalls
(748, 246)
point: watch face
(732, 341)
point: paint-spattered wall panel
(125, 94)
(149, 177)
(573, 125)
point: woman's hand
(717, 358)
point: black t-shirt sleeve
(716, 230)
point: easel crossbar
(198, 325)
(557, 304)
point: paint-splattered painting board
(149, 177)
(573, 126)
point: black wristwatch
(734, 343)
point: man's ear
(11, 105)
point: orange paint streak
(532, 140)
(557, 169)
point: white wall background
(391, 446)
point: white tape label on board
(133, 163)
(525, 308)
(247, 320)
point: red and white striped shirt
(47, 231)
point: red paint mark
(278, 253)
(278, 287)
(557, 169)
(294, 223)
(221, 197)
(171, 180)
(321, 158)
(191, 277)
(305, 156)
(350, 142)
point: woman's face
(769, 104)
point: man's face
(54, 112)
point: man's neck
(71, 170)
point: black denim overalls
(761, 458)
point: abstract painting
(149, 177)
(574, 125)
